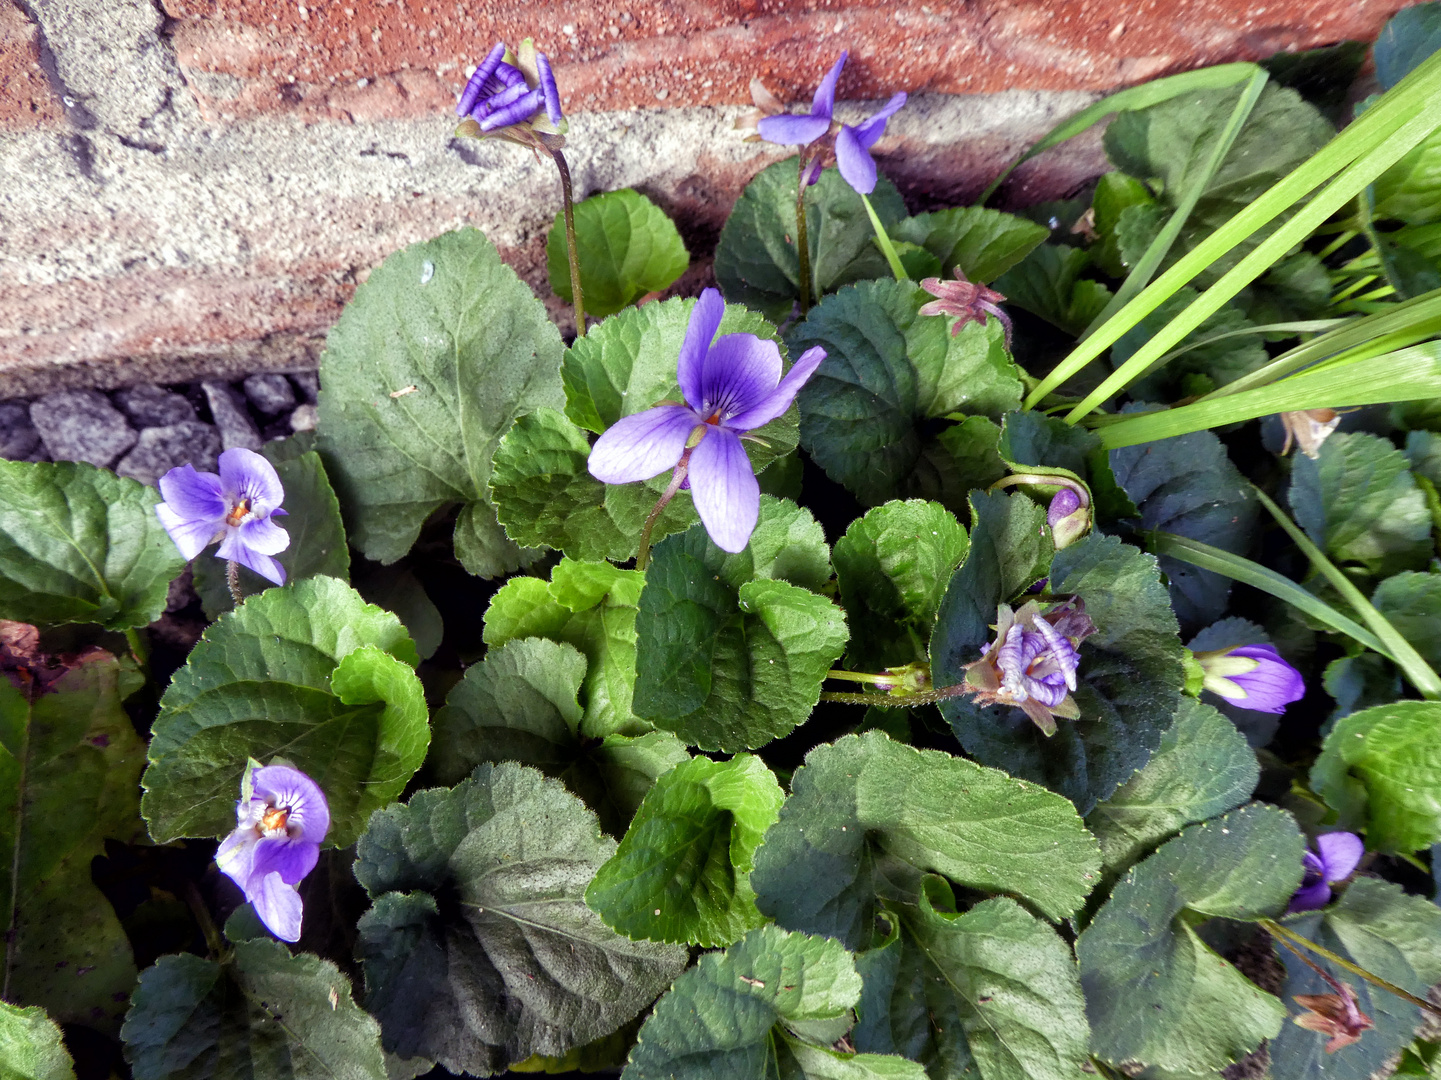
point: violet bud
(1252, 677)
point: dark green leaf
(1188, 486)
(317, 537)
(1359, 503)
(1155, 993)
(80, 544)
(983, 244)
(1322, 76)
(1130, 671)
(31, 1047)
(309, 673)
(1048, 283)
(398, 590)
(1295, 289)
(1032, 438)
(758, 1010)
(1380, 770)
(1203, 767)
(1358, 682)
(520, 704)
(867, 816)
(447, 318)
(626, 247)
(1217, 363)
(1411, 602)
(959, 459)
(591, 606)
(69, 779)
(1410, 37)
(1115, 194)
(1408, 191)
(262, 1014)
(887, 372)
(756, 263)
(479, 950)
(892, 566)
(1378, 927)
(725, 658)
(682, 872)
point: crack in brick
(73, 102)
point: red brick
(26, 98)
(411, 54)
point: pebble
(82, 425)
(270, 394)
(236, 427)
(308, 383)
(160, 449)
(304, 418)
(19, 441)
(150, 406)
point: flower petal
(779, 400)
(1310, 897)
(1340, 854)
(739, 371)
(725, 490)
(291, 859)
(236, 854)
(700, 331)
(1272, 685)
(263, 535)
(641, 446)
(190, 536)
(868, 131)
(824, 102)
(476, 85)
(232, 549)
(548, 88)
(788, 129)
(244, 472)
(522, 109)
(194, 496)
(854, 161)
(278, 906)
(282, 785)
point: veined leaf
(30, 1045)
(626, 247)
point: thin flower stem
(884, 240)
(862, 677)
(642, 558)
(1287, 937)
(565, 190)
(232, 579)
(803, 247)
(139, 650)
(197, 907)
(894, 700)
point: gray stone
(228, 409)
(18, 438)
(304, 418)
(150, 406)
(82, 425)
(308, 383)
(161, 449)
(271, 394)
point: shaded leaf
(1411, 602)
(982, 243)
(1410, 36)
(1048, 283)
(1201, 368)
(398, 590)
(626, 247)
(1033, 438)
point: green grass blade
(1257, 576)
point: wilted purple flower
(1338, 1015)
(234, 507)
(1336, 857)
(731, 385)
(852, 144)
(1032, 662)
(1252, 677)
(970, 301)
(281, 819)
(507, 94)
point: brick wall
(197, 185)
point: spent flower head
(1335, 859)
(1338, 1015)
(234, 507)
(281, 819)
(1032, 662)
(966, 299)
(1252, 677)
(850, 143)
(513, 97)
(731, 385)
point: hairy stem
(803, 247)
(895, 700)
(565, 190)
(884, 240)
(642, 558)
(861, 677)
(196, 903)
(1288, 937)
(232, 579)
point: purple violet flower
(852, 143)
(1336, 857)
(1252, 677)
(1032, 663)
(281, 819)
(731, 385)
(507, 94)
(234, 507)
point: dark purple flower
(507, 94)
(234, 507)
(281, 819)
(731, 385)
(852, 143)
(1252, 677)
(966, 299)
(1336, 857)
(1032, 662)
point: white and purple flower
(1252, 677)
(234, 507)
(852, 143)
(281, 819)
(1032, 662)
(731, 385)
(1335, 859)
